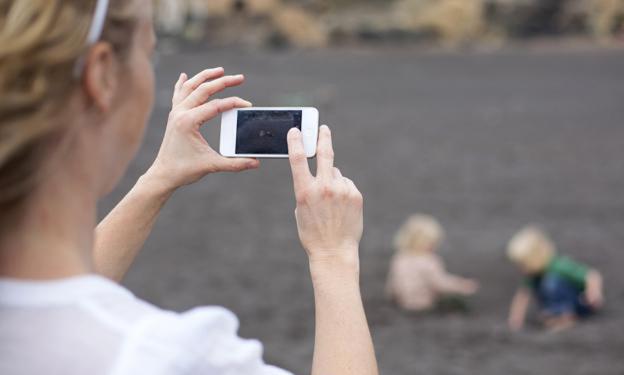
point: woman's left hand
(185, 156)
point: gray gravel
(486, 142)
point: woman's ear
(100, 78)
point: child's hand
(593, 290)
(470, 286)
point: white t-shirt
(91, 325)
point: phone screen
(264, 132)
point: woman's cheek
(145, 92)
(139, 104)
(148, 86)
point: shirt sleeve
(201, 341)
(575, 272)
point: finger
(190, 85)
(349, 183)
(181, 80)
(337, 174)
(208, 111)
(345, 188)
(352, 187)
(176, 90)
(207, 89)
(237, 164)
(298, 160)
(325, 157)
(341, 179)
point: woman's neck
(54, 236)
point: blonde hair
(419, 234)
(40, 42)
(531, 249)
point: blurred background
(320, 23)
(487, 114)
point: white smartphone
(260, 132)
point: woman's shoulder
(201, 340)
(157, 341)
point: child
(564, 289)
(418, 280)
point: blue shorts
(558, 296)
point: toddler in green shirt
(564, 289)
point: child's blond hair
(420, 233)
(531, 249)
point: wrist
(341, 266)
(156, 184)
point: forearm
(517, 312)
(448, 283)
(594, 281)
(343, 344)
(518, 309)
(122, 233)
(593, 289)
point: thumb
(238, 164)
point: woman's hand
(329, 209)
(330, 220)
(185, 156)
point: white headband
(95, 32)
(97, 25)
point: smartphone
(261, 132)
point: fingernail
(293, 132)
(325, 126)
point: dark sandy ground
(486, 142)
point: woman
(77, 87)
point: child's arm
(518, 310)
(593, 289)
(461, 285)
(444, 282)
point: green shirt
(566, 268)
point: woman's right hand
(330, 220)
(329, 209)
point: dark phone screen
(264, 132)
